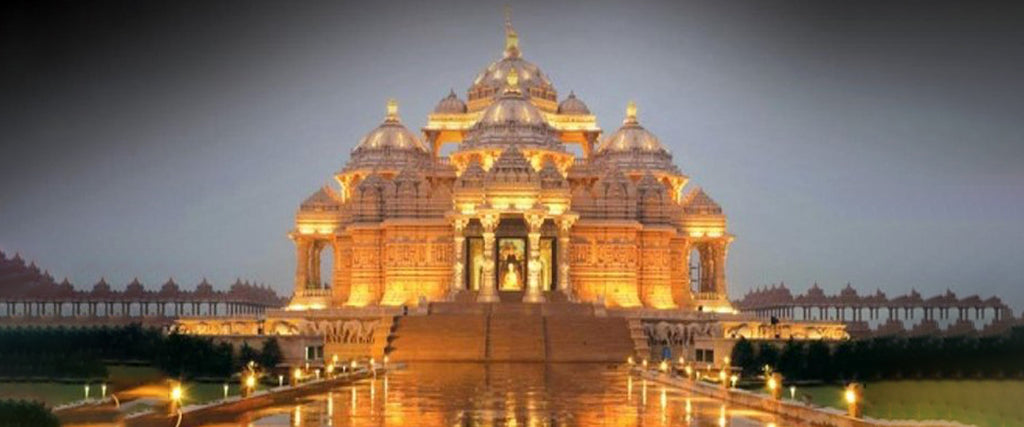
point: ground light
(792, 392)
(174, 397)
(103, 391)
(734, 379)
(663, 366)
(249, 385)
(225, 391)
(87, 392)
(852, 395)
(774, 383)
(296, 376)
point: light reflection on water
(455, 394)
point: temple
(511, 208)
(511, 228)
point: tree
(767, 354)
(819, 361)
(271, 354)
(247, 354)
(744, 357)
(792, 360)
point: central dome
(511, 118)
(533, 82)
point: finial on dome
(630, 113)
(392, 108)
(511, 37)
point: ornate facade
(531, 198)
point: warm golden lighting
(176, 393)
(663, 366)
(772, 385)
(630, 361)
(297, 374)
(250, 381)
(850, 396)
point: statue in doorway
(511, 279)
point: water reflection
(529, 395)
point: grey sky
(878, 143)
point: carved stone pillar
(458, 265)
(565, 223)
(534, 220)
(721, 251)
(679, 252)
(488, 292)
(314, 265)
(302, 245)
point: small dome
(450, 104)
(391, 135)
(573, 105)
(631, 136)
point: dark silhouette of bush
(20, 413)
(925, 357)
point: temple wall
(366, 269)
(655, 271)
(603, 261)
(417, 261)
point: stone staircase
(512, 331)
(516, 338)
(439, 337)
(574, 338)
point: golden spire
(392, 110)
(511, 37)
(630, 113)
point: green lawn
(58, 393)
(51, 394)
(985, 403)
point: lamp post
(296, 376)
(174, 398)
(87, 392)
(226, 388)
(248, 384)
(663, 366)
(734, 379)
(852, 395)
(792, 392)
(103, 391)
(774, 384)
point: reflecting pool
(455, 394)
